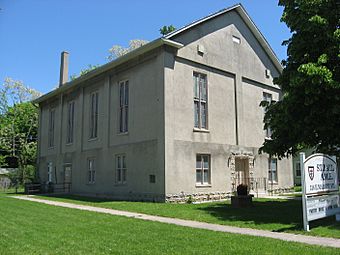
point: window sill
(69, 144)
(268, 138)
(90, 183)
(201, 130)
(92, 139)
(272, 183)
(120, 184)
(123, 133)
(50, 148)
(203, 186)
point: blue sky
(33, 33)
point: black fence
(36, 188)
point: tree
(308, 114)
(117, 51)
(18, 127)
(84, 71)
(167, 29)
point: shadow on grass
(282, 215)
(78, 198)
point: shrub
(242, 190)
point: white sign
(319, 177)
(322, 206)
(320, 174)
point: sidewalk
(312, 240)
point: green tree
(167, 29)
(18, 127)
(308, 114)
(84, 71)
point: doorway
(242, 170)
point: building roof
(166, 40)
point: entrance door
(242, 171)
(68, 173)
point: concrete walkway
(322, 241)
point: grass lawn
(278, 215)
(33, 228)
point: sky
(33, 33)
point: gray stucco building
(176, 117)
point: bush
(242, 190)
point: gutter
(132, 54)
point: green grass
(277, 215)
(298, 189)
(33, 228)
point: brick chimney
(63, 68)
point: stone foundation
(197, 197)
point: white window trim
(51, 128)
(123, 120)
(49, 171)
(202, 183)
(119, 170)
(91, 171)
(270, 178)
(94, 116)
(70, 123)
(199, 100)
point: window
(49, 171)
(51, 122)
(203, 169)
(94, 115)
(123, 106)
(200, 101)
(70, 122)
(152, 178)
(272, 169)
(268, 98)
(121, 169)
(298, 169)
(236, 39)
(91, 171)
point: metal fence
(36, 188)
(254, 184)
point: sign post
(320, 187)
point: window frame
(270, 171)
(91, 171)
(120, 169)
(70, 122)
(123, 106)
(200, 100)
(202, 170)
(49, 172)
(51, 128)
(297, 169)
(268, 97)
(94, 115)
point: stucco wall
(236, 77)
(142, 145)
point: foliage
(167, 29)
(84, 71)
(308, 115)
(117, 51)
(15, 92)
(242, 190)
(18, 129)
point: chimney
(63, 68)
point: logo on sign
(311, 172)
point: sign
(319, 181)
(320, 174)
(322, 206)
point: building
(175, 118)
